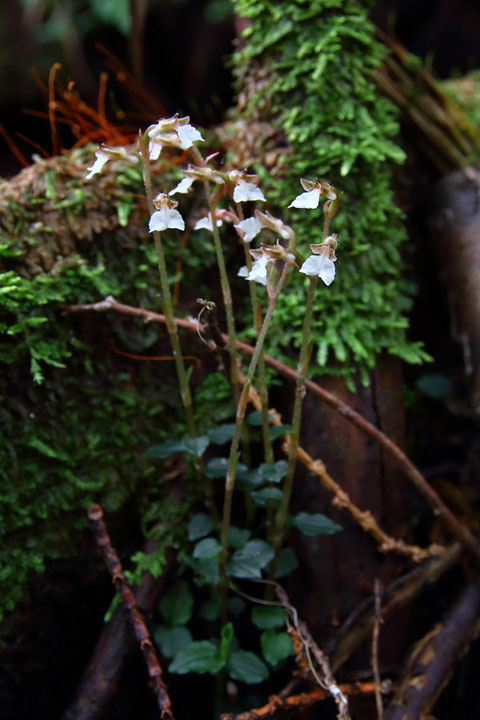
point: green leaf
(225, 640)
(222, 434)
(165, 449)
(434, 385)
(314, 524)
(172, 640)
(196, 446)
(261, 497)
(276, 646)
(193, 446)
(246, 667)
(207, 549)
(207, 568)
(249, 561)
(200, 656)
(278, 430)
(273, 472)
(199, 526)
(237, 537)
(255, 418)
(268, 617)
(287, 561)
(176, 607)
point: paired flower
(321, 263)
(165, 216)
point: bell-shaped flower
(321, 263)
(314, 191)
(104, 154)
(165, 216)
(250, 228)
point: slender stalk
(296, 424)
(233, 458)
(167, 303)
(262, 377)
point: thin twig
(95, 515)
(300, 702)
(457, 528)
(377, 591)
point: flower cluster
(178, 132)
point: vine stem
(233, 458)
(167, 301)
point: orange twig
(155, 357)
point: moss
(307, 70)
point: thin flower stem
(224, 284)
(262, 376)
(233, 458)
(167, 303)
(296, 424)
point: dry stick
(434, 658)
(341, 499)
(300, 702)
(101, 678)
(436, 503)
(377, 590)
(95, 515)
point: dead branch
(102, 675)
(434, 658)
(95, 514)
(300, 702)
(377, 620)
(458, 529)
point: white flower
(245, 191)
(250, 227)
(171, 132)
(183, 186)
(188, 135)
(259, 270)
(309, 199)
(165, 216)
(321, 265)
(206, 223)
(314, 191)
(104, 154)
